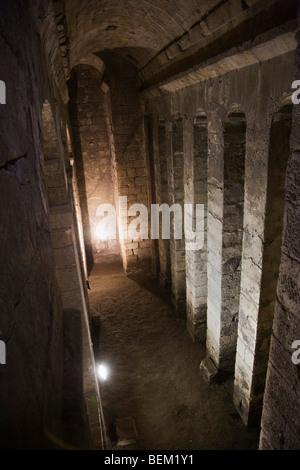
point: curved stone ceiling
(137, 29)
(164, 37)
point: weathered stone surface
(31, 307)
(93, 157)
(33, 387)
(228, 220)
(126, 431)
(174, 142)
(209, 370)
(75, 424)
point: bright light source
(102, 232)
(103, 372)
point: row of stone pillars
(227, 290)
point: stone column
(215, 187)
(251, 274)
(195, 192)
(161, 197)
(234, 175)
(176, 196)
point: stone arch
(93, 61)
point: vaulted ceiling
(164, 37)
(139, 29)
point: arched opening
(233, 212)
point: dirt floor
(154, 370)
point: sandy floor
(154, 366)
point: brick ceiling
(138, 29)
(164, 37)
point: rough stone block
(209, 370)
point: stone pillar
(161, 197)
(224, 253)
(195, 192)
(234, 175)
(176, 196)
(254, 226)
(151, 166)
(215, 187)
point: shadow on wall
(73, 87)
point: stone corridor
(119, 119)
(154, 376)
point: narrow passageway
(154, 370)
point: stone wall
(110, 155)
(41, 261)
(240, 290)
(93, 160)
(238, 175)
(31, 392)
(281, 416)
(130, 152)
